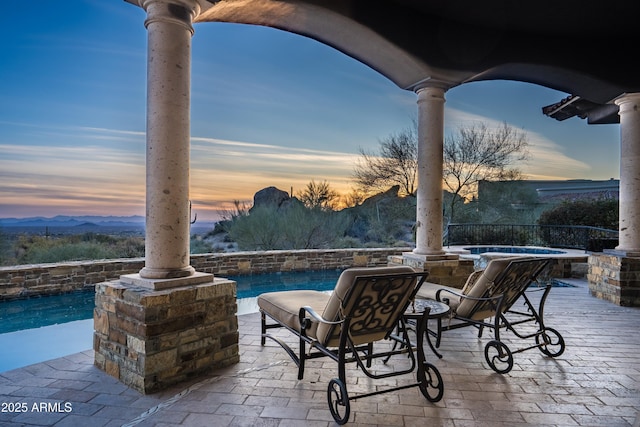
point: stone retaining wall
(45, 279)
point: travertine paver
(594, 383)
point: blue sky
(269, 108)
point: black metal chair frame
(429, 379)
(497, 354)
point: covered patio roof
(583, 48)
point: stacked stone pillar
(615, 278)
(150, 340)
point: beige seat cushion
(484, 287)
(284, 306)
(477, 286)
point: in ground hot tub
(567, 262)
(524, 250)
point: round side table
(437, 310)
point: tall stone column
(429, 217)
(629, 228)
(614, 275)
(168, 323)
(169, 26)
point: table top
(436, 308)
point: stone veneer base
(151, 339)
(615, 278)
(446, 270)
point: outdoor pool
(43, 311)
(37, 329)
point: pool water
(250, 286)
(477, 250)
(44, 328)
(37, 329)
(29, 346)
(44, 311)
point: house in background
(551, 191)
(574, 189)
(523, 201)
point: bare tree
(395, 164)
(477, 153)
(319, 195)
(471, 154)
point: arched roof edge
(333, 27)
(337, 31)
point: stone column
(614, 275)
(168, 323)
(169, 26)
(629, 236)
(429, 217)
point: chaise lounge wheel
(431, 384)
(550, 342)
(498, 356)
(338, 401)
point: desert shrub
(315, 228)
(602, 213)
(383, 222)
(258, 230)
(65, 251)
(5, 248)
(46, 249)
(294, 227)
(199, 246)
(347, 242)
(130, 247)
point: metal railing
(559, 236)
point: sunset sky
(269, 108)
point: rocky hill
(383, 219)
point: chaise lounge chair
(487, 300)
(365, 308)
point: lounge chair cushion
(328, 334)
(284, 306)
(477, 287)
(482, 289)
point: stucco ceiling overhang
(581, 47)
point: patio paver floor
(596, 382)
